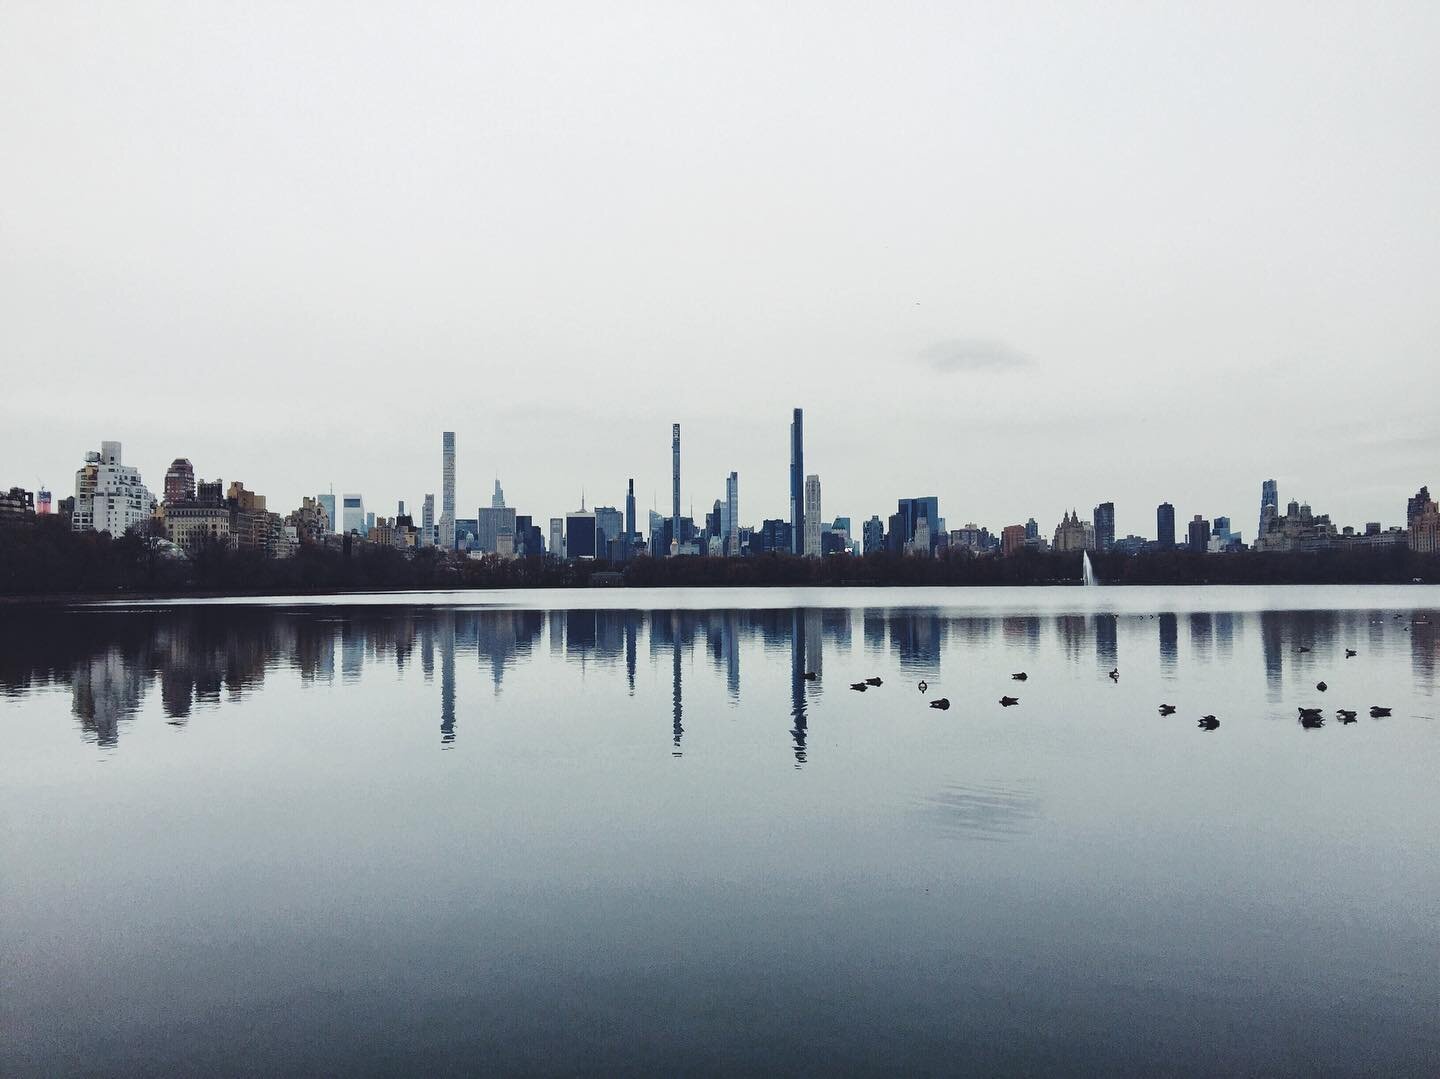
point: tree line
(41, 556)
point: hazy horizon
(1024, 260)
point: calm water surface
(623, 832)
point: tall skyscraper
(675, 483)
(1165, 526)
(812, 516)
(1269, 505)
(732, 514)
(497, 500)
(630, 511)
(797, 482)
(1105, 526)
(427, 522)
(447, 490)
(557, 536)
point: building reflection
(189, 660)
(1169, 630)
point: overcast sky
(1020, 257)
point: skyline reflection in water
(112, 660)
(365, 836)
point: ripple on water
(991, 812)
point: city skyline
(452, 466)
(1248, 251)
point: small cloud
(972, 354)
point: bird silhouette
(1312, 713)
(1020, 677)
(1209, 723)
(811, 676)
(1345, 715)
(1167, 709)
(873, 681)
(1376, 712)
(1312, 723)
(1207, 718)
(859, 687)
(1115, 675)
(941, 703)
(1302, 648)
(1350, 653)
(1008, 701)
(1321, 686)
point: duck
(1167, 709)
(1345, 715)
(1115, 675)
(1376, 712)
(1321, 686)
(1302, 648)
(1209, 723)
(859, 687)
(941, 703)
(1350, 653)
(923, 685)
(1019, 676)
(1312, 723)
(1008, 701)
(873, 681)
(811, 676)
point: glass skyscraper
(797, 482)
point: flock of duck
(1310, 718)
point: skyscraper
(427, 522)
(580, 534)
(447, 490)
(497, 500)
(1105, 526)
(1269, 505)
(913, 510)
(557, 536)
(1199, 534)
(608, 525)
(812, 516)
(1165, 526)
(797, 482)
(675, 484)
(630, 511)
(874, 534)
(732, 514)
(328, 501)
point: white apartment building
(109, 496)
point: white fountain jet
(1087, 571)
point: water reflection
(196, 656)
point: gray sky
(1021, 257)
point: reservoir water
(624, 832)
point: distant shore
(47, 563)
